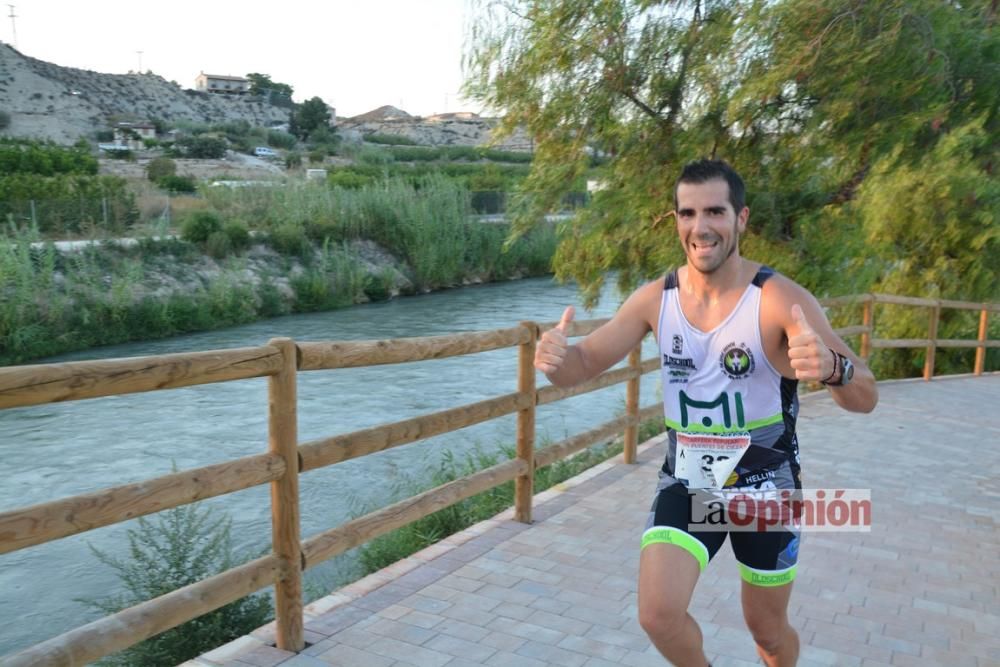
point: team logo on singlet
(736, 361)
(678, 344)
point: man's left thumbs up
(809, 355)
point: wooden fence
(280, 361)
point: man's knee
(769, 631)
(661, 620)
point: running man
(735, 337)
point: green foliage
(178, 184)
(22, 157)
(290, 239)
(293, 160)
(182, 546)
(4, 120)
(810, 101)
(390, 139)
(238, 235)
(345, 178)
(202, 147)
(67, 205)
(218, 245)
(317, 156)
(200, 226)
(402, 542)
(105, 135)
(279, 139)
(309, 116)
(160, 167)
(279, 94)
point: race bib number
(705, 461)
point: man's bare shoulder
(781, 290)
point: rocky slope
(47, 101)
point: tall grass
(425, 222)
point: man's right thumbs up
(567, 319)
(553, 345)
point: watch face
(848, 371)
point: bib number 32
(706, 461)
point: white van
(264, 151)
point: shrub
(126, 155)
(202, 147)
(293, 160)
(160, 167)
(183, 546)
(290, 239)
(105, 135)
(200, 226)
(351, 180)
(178, 184)
(390, 139)
(317, 156)
(279, 139)
(4, 120)
(218, 245)
(238, 235)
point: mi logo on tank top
(719, 407)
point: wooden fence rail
(280, 361)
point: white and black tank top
(720, 383)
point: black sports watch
(846, 370)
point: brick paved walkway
(920, 589)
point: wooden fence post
(524, 484)
(981, 349)
(283, 441)
(632, 405)
(932, 348)
(866, 320)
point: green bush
(279, 139)
(44, 158)
(182, 546)
(160, 167)
(351, 180)
(4, 120)
(238, 235)
(290, 239)
(105, 135)
(293, 159)
(200, 226)
(390, 139)
(218, 245)
(125, 155)
(178, 184)
(202, 147)
(317, 156)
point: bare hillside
(48, 101)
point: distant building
(215, 83)
(130, 135)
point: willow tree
(866, 131)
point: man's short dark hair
(703, 170)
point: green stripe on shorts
(765, 578)
(677, 537)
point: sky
(356, 55)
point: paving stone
(563, 590)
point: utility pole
(13, 24)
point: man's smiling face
(708, 226)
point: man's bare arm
(566, 365)
(810, 341)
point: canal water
(54, 451)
